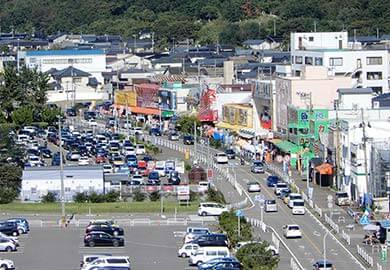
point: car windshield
(257, 163)
(342, 195)
(271, 202)
(299, 203)
(293, 228)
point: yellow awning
(228, 126)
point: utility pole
(61, 173)
(388, 189)
(127, 118)
(338, 155)
(363, 125)
(195, 138)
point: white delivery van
(205, 254)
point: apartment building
(367, 67)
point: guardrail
(346, 237)
(318, 210)
(332, 224)
(122, 222)
(364, 254)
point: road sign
(183, 193)
(239, 213)
(383, 254)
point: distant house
(72, 84)
(268, 43)
(38, 181)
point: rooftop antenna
(315, 26)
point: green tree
(112, 196)
(138, 196)
(256, 256)
(154, 196)
(187, 124)
(214, 195)
(80, 197)
(50, 197)
(50, 115)
(10, 181)
(23, 115)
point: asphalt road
(149, 248)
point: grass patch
(97, 208)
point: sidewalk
(350, 233)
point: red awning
(325, 168)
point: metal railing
(346, 237)
(364, 254)
(332, 224)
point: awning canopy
(228, 126)
(287, 147)
(325, 168)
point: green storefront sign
(167, 113)
(304, 128)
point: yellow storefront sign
(121, 97)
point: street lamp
(61, 172)
(324, 244)
(388, 187)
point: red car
(101, 159)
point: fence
(346, 237)
(364, 254)
(332, 224)
(318, 210)
(124, 222)
(254, 222)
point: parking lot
(149, 247)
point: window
(377, 89)
(308, 60)
(311, 38)
(318, 61)
(33, 190)
(211, 253)
(67, 189)
(336, 61)
(303, 131)
(292, 59)
(374, 60)
(76, 80)
(298, 60)
(374, 75)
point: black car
(188, 139)
(102, 227)
(102, 239)
(174, 178)
(155, 132)
(70, 112)
(230, 154)
(9, 228)
(46, 153)
(214, 239)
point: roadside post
(239, 214)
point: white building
(368, 68)
(91, 61)
(38, 181)
(353, 157)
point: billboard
(183, 193)
(126, 97)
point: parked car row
(103, 233)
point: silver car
(270, 206)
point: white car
(89, 258)
(203, 186)
(137, 177)
(83, 161)
(292, 231)
(15, 239)
(254, 187)
(187, 249)
(120, 261)
(129, 150)
(211, 209)
(107, 168)
(291, 198)
(298, 207)
(92, 122)
(205, 254)
(35, 161)
(140, 149)
(279, 186)
(6, 264)
(7, 245)
(160, 170)
(221, 158)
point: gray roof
(66, 168)
(70, 72)
(354, 91)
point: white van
(140, 149)
(298, 207)
(160, 168)
(205, 254)
(203, 186)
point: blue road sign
(239, 213)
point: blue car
(218, 261)
(22, 224)
(272, 180)
(131, 160)
(154, 178)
